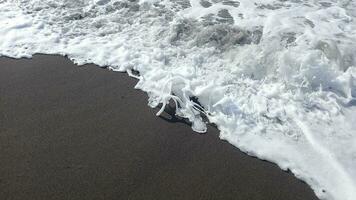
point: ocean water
(277, 77)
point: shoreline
(74, 132)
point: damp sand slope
(70, 132)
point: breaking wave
(277, 77)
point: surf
(276, 77)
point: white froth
(276, 77)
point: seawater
(277, 77)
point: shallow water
(276, 77)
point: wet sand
(69, 132)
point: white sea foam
(276, 77)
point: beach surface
(70, 132)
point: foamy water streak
(276, 77)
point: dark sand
(69, 132)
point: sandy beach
(69, 132)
